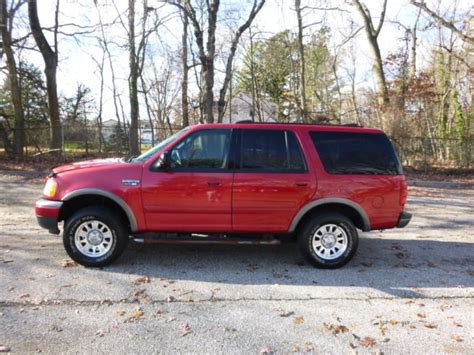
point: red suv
(244, 183)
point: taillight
(403, 193)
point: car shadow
(398, 267)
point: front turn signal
(50, 188)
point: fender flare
(331, 200)
(98, 192)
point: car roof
(290, 126)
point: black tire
(118, 235)
(309, 229)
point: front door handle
(302, 183)
(214, 183)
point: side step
(194, 238)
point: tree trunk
(50, 58)
(184, 64)
(15, 90)
(372, 36)
(302, 100)
(134, 148)
(230, 59)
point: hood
(88, 164)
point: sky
(77, 55)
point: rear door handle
(214, 183)
(302, 183)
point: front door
(195, 194)
(271, 181)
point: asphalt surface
(406, 291)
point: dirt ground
(406, 291)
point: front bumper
(47, 213)
(404, 219)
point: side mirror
(164, 161)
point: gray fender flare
(331, 200)
(126, 208)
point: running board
(175, 238)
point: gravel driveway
(406, 291)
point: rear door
(271, 180)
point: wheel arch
(87, 197)
(347, 207)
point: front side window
(270, 151)
(148, 154)
(356, 153)
(202, 150)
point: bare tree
(257, 6)
(207, 51)
(302, 100)
(6, 25)
(185, 69)
(441, 21)
(372, 36)
(134, 148)
(50, 57)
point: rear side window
(356, 153)
(270, 151)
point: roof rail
(302, 123)
(245, 121)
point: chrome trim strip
(49, 203)
(128, 211)
(323, 201)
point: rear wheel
(328, 241)
(93, 236)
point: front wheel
(328, 241)
(93, 236)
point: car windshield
(149, 153)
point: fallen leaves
(142, 280)
(266, 350)
(286, 314)
(135, 316)
(5, 349)
(430, 325)
(69, 263)
(336, 329)
(421, 315)
(120, 312)
(185, 329)
(298, 320)
(457, 338)
(367, 342)
(136, 293)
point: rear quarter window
(356, 153)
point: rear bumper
(404, 219)
(47, 213)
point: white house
(240, 108)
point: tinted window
(203, 150)
(356, 153)
(270, 150)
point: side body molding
(331, 200)
(128, 211)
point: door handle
(214, 183)
(302, 183)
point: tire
(328, 241)
(94, 236)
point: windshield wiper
(129, 159)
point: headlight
(50, 188)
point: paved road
(406, 291)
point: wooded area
(188, 58)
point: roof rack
(302, 123)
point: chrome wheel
(93, 238)
(329, 241)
